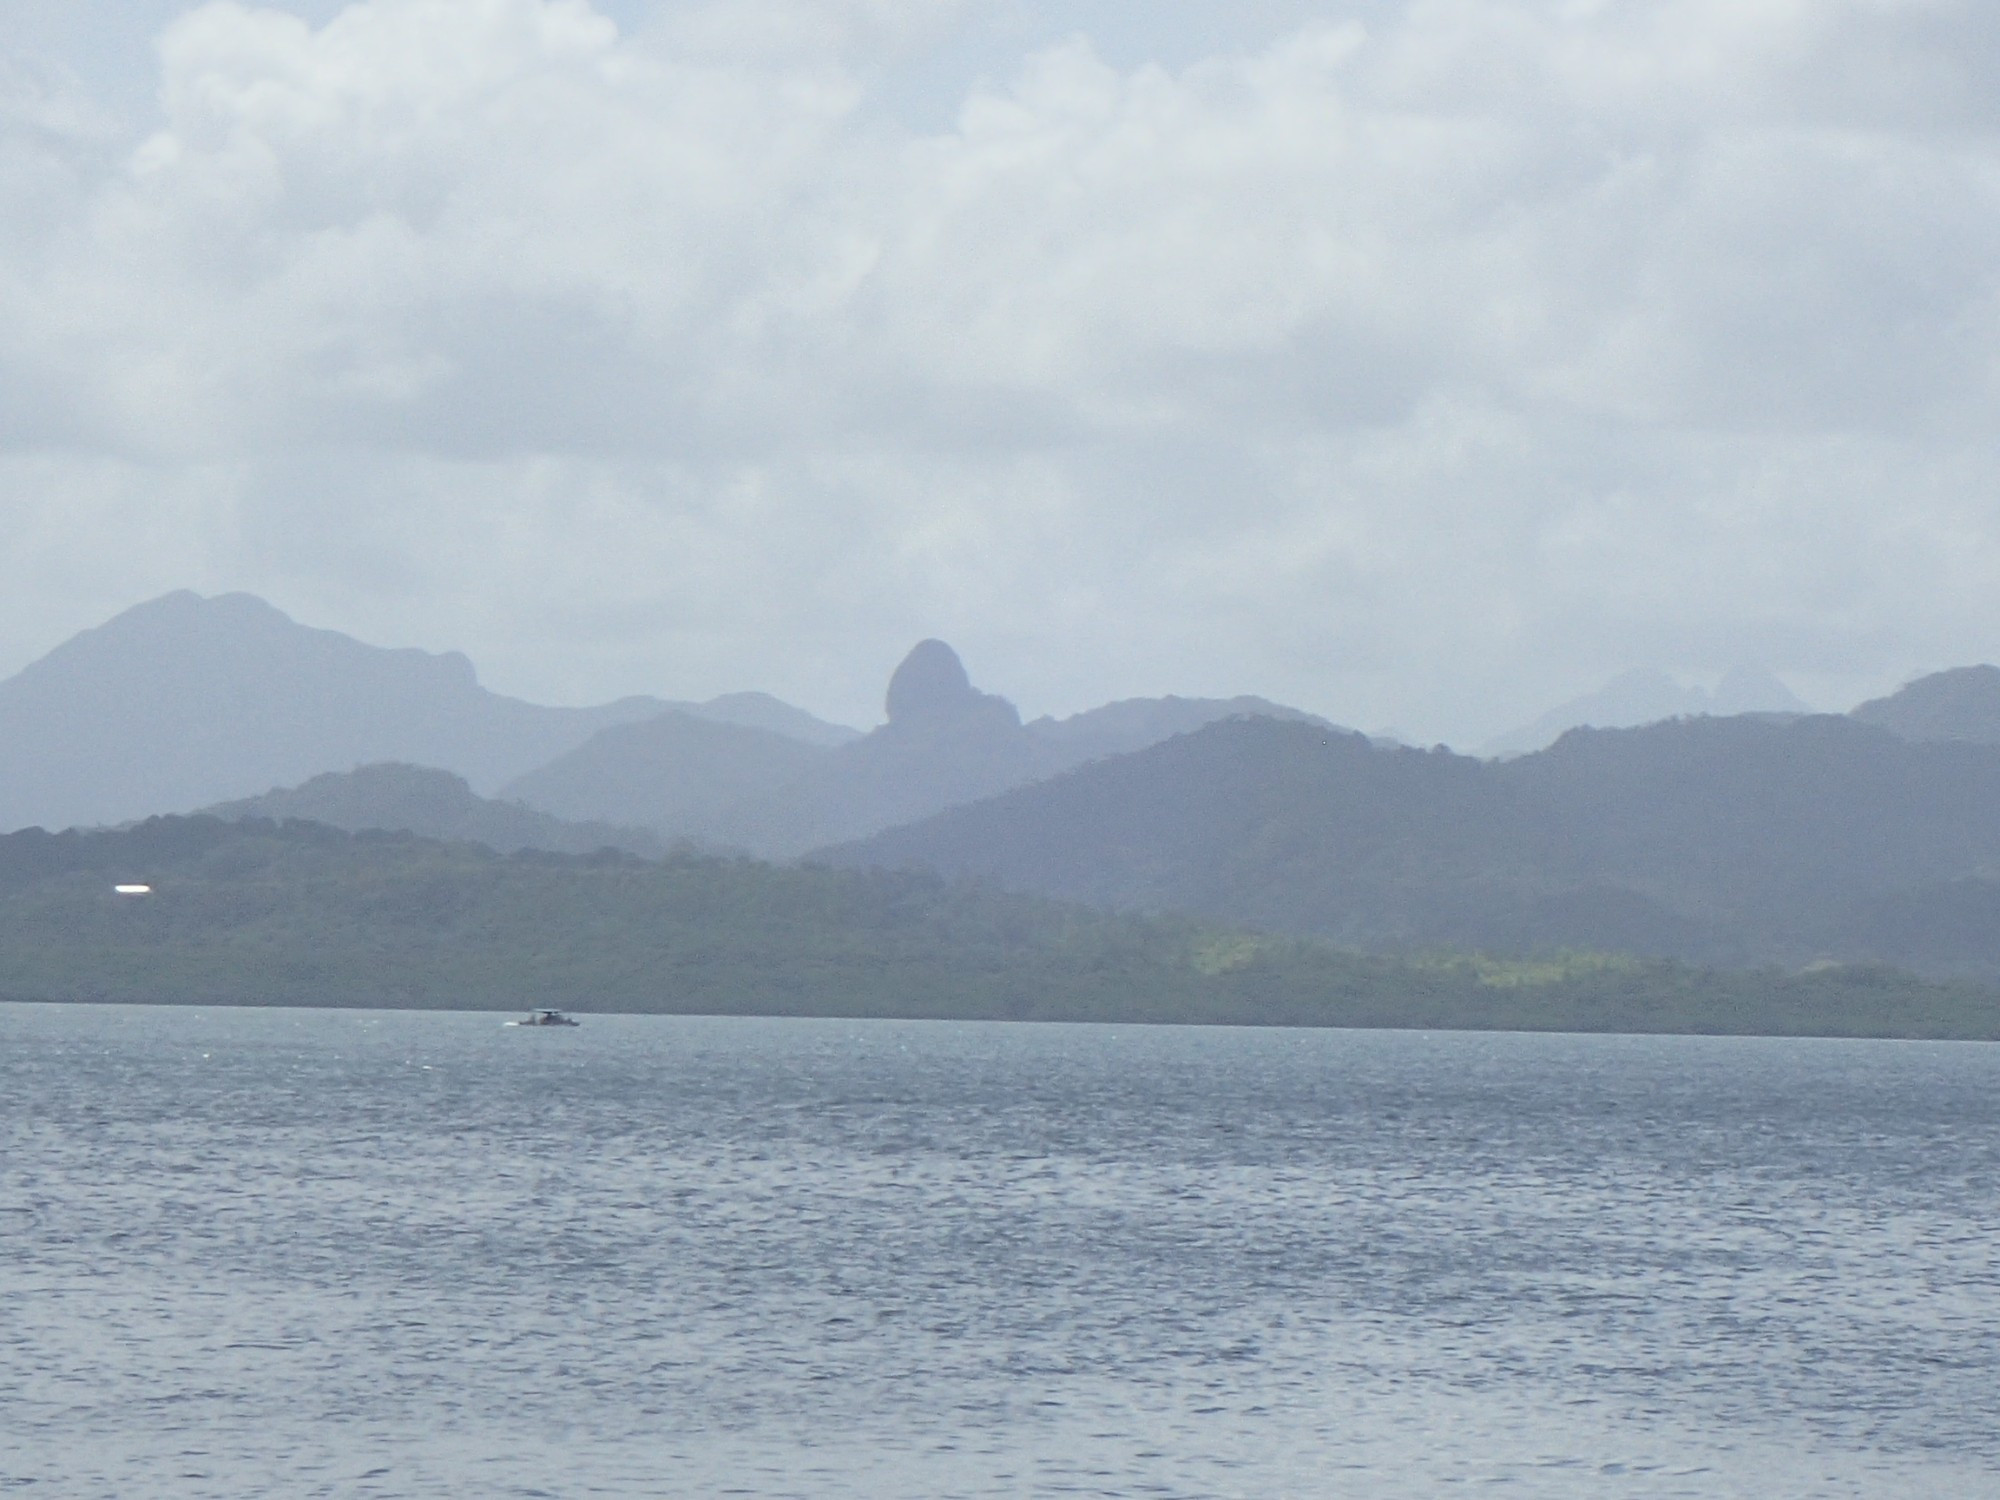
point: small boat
(543, 1018)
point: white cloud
(1419, 370)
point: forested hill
(436, 804)
(1721, 840)
(300, 914)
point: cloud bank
(1419, 364)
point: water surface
(384, 1253)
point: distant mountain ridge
(944, 743)
(1723, 840)
(185, 701)
(1134, 723)
(1647, 695)
(1962, 703)
(676, 775)
(431, 804)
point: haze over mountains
(944, 743)
(186, 701)
(434, 804)
(1738, 839)
(679, 777)
(1960, 704)
(1646, 695)
(1722, 840)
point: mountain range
(943, 743)
(680, 778)
(1646, 695)
(1961, 704)
(1740, 840)
(186, 701)
(1750, 838)
(433, 804)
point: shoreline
(1500, 1026)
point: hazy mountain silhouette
(945, 743)
(676, 774)
(435, 804)
(1134, 723)
(1960, 704)
(1740, 839)
(185, 701)
(771, 715)
(1648, 695)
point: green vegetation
(1729, 842)
(298, 914)
(1543, 970)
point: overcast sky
(1420, 364)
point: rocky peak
(931, 689)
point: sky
(1419, 364)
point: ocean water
(268, 1252)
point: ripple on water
(405, 1254)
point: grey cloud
(1416, 366)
